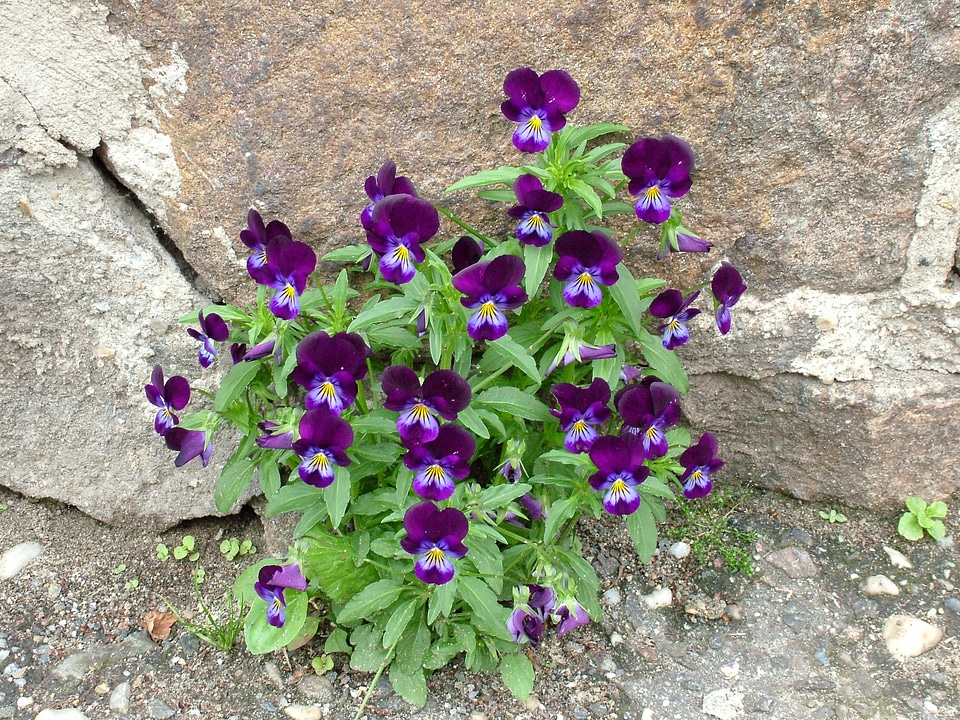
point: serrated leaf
(937, 530)
(269, 473)
(495, 497)
(413, 646)
(490, 616)
(471, 420)
(399, 620)
(937, 509)
(656, 487)
(514, 402)
(370, 600)
(381, 422)
(337, 642)
(588, 195)
(518, 675)
(411, 687)
(367, 655)
(237, 379)
(331, 561)
(296, 497)
(486, 558)
(537, 261)
(916, 505)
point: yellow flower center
(320, 462)
(653, 193)
(488, 311)
(435, 556)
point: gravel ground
(797, 638)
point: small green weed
(222, 630)
(833, 517)
(920, 518)
(706, 525)
(232, 548)
(186, 550)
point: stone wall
(828, 144)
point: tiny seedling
(186, 549)
(118, 570)
(920, 518)
(131, 584)
(833, 516)
(322, 664)
(232, 548)
(163, 552)
(3, 506)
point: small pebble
(611, 597)
(64, 714)
(952, 604)
(17, 557)
(304, 712)
(159, 710)
(879, 585)
(898, 559)
(479, 715)
(794, 561)
(120, 699)
(946, 543)
(724, 704)
(822, 657)
(532, 704)
(24, 702)
(273, 673)
(616, 639)
(660, 598)
(679, 550)
(907, 636)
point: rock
(679, 550)
(898, 559)
(64, 714)
(611, 597)
(303, 712)
(724, 704)
(794, 561)
(17, 557)
(660, 598)
(316, 687)
(952, 604)
(705, 606)
(879, 585)
(73, 668)
(120, 699)
(273, 674)
(159, 710)
(906, 636)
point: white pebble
(879, 585)
(304, 712)
(660, 598)
(24, 702)
(898, 559)
(679, 550)
(616, 639)
(65, 714)
(611, 597)
(120, 699)
(17, 557)
(907, 636)
(647, 714)
(724, 704)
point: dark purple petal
(525, 626)
(323, 429)
(466, 252)
(727, 285)
(531, 195)
(560, 90)
(522, 86)
(667, 303)
(189, 444)
(177, 392)
(214, 327)
(260, 350)
(691, 243)
(571, 620)
(286, 576)
(447, 392)
(400, 384)
(276, 603)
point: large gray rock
(827, 141)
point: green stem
(490, 378)
(489, 241)
(376, 679)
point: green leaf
(471, 420)
(237, 379)
(234, 479)
(368, 655)
(937, 509)
(643, 532)
(537, 260)
(909, 528)
(518, 674)
(195, 420)
(916, 505)
(588, 195)
(411, 687)
(937, 530)
(337, 495)
(350, 253)
(587, 580)
(262, 637)
(441, 602)
(495, 497)
(515, 402)
(296, 497)
(413, 646)
(269, 473)
(337, 642)
(656, 487)
(512, 352)
(625, 294)
(492, 421)
(924, 520)
(491, 617)
(486, 558)
(371, 599)
(383, 311)
(561, 511)
(502, 175)
(380, 422)
(664, 362)
(331, 560)
(576, 135)
(399, 620)
(507, 196)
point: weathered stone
(794, 561)
(906, 636)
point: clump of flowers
(441, 435)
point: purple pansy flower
(658, 170)
(538, 103)
(189, 444)
(570, 617)
(679, 239)
(581, 409)
(256, 237)
(700, 461)
(648, 409)
(212, 327)
(587, 260)
(289, 263)
(528, 618)
(397, 227)
(324, 437)
(271, 439)
(582, 353)
(271, 582)
(466, 251)
(435, 537)
(620, 469)
(490, 288)
(438, 462)
(442, 393)
(329, 369)
(727, 286)
(535, 227)
(674, 308)
(380, 186)
(169, 396)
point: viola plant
(441, 417)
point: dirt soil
(729, 645)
